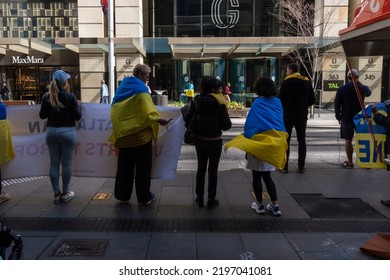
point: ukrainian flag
(264, 136)
(133, 115)
(366, 153)
(7, 149)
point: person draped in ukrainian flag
(135, 123)
(265, 142)
(7, 149)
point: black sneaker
(152, 198)
(301, 169)
(212, 203)
(199, 201)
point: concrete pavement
(328, 212)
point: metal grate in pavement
(196, 225)
(321, 207)
(81, 247)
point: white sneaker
(67, 196)
(274, 209)
(4, 197)
(259, 208)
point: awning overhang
(369, 34)
(101, 45)
(25, 46)
(233, 47)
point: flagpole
(111, 55)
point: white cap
(353, 72)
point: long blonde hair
(53, 96)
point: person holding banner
(346, 106)
(62, 110)
(135, 123)
(7, 150)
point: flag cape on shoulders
(264, 136)
(133, 110)
(220, 99)
(366, 154)
(129, 87)
(7, 150)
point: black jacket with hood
(296, 94)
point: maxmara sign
(233, 14)
(27, 60)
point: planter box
(238, 113)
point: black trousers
(208, 153)
(300, 129)
(258, 187)
(134, 162)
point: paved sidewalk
(328, 212)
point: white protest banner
(94, 156)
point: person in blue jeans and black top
(62, 110)
(211, 118)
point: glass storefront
(30, 83)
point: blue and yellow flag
(7, 149)
(366, 153)
(133, 114)
(264, 136)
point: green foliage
(177, 104)
(236, 105)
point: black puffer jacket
(211, 117)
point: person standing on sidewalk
(296, 94)
(104, 93)
(211, 118)
(190, 92)
(135, 122)
(7, 150)
(346, 106)
(62, 110)
(4, 91)
(265, 143)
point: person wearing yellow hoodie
(135, 122)
(296, 94)
(7, 151)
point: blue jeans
(61, 142)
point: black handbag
(190, 133)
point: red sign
(368, 12)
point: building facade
(234, 40)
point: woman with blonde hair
(61, 109)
